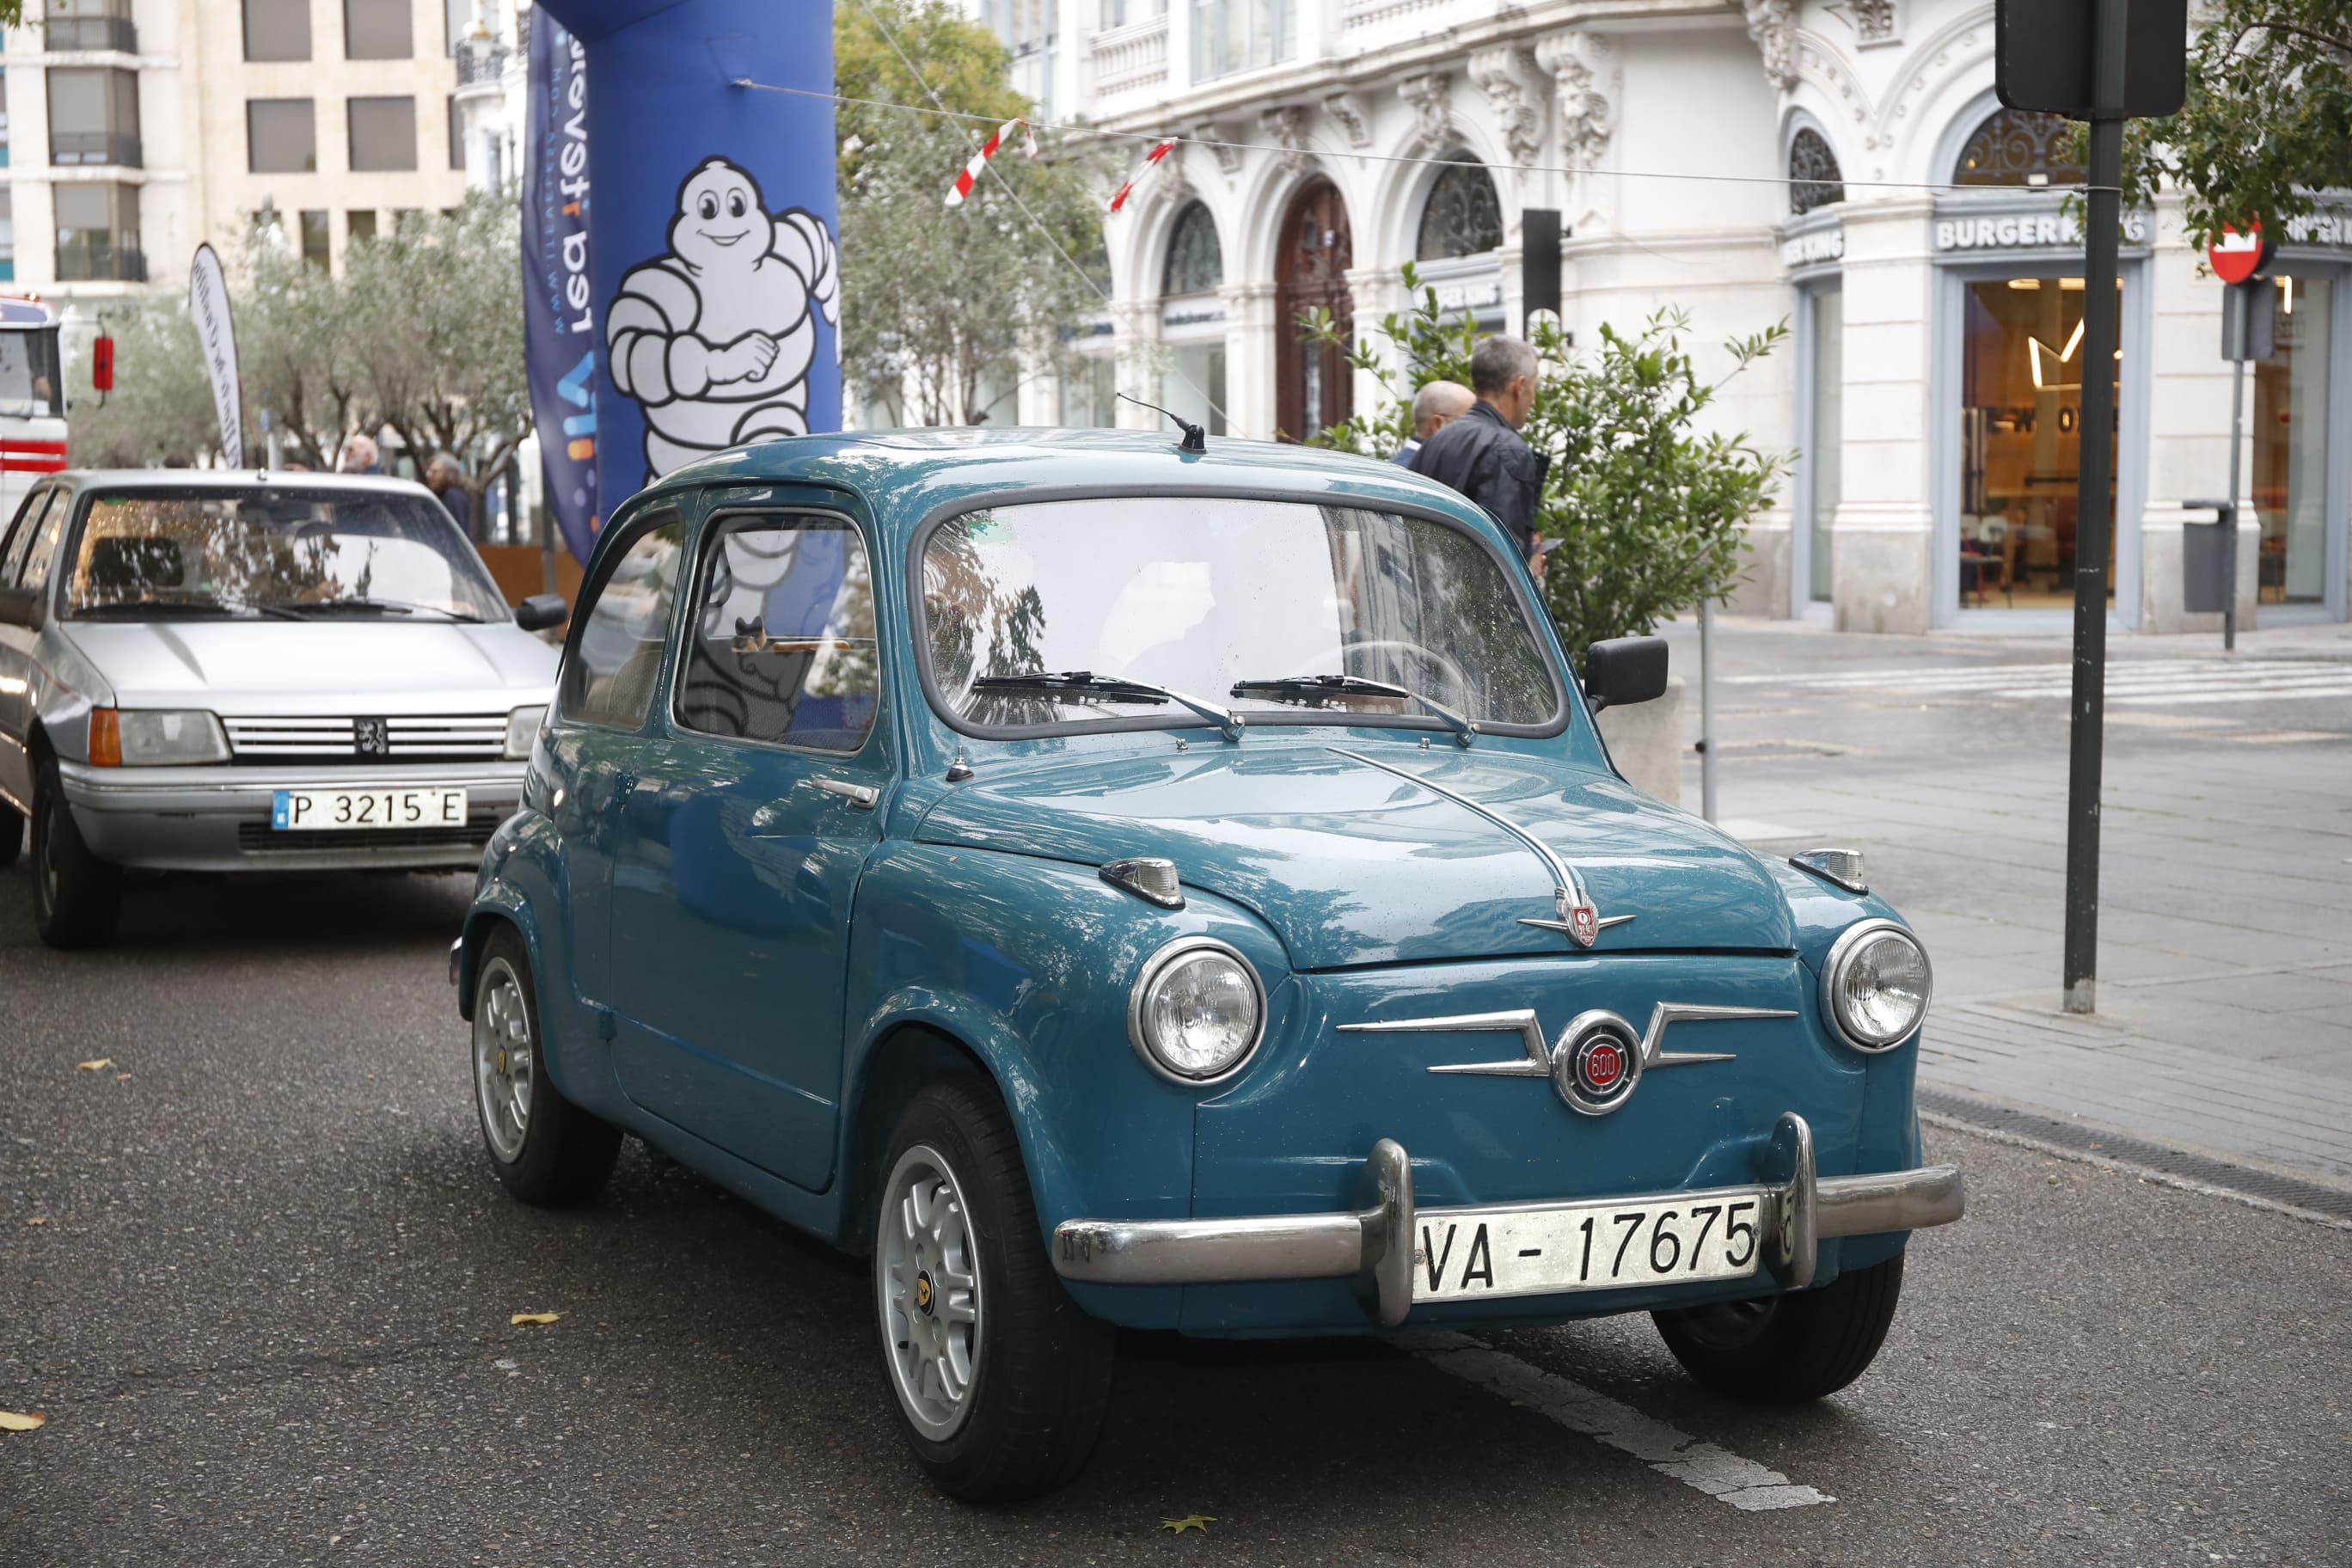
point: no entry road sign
(2236, 256)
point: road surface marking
(1720, 1474)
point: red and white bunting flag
(970, 176)
(1151, 160)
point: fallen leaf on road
(521, 1318)
(12, 1421)
(1200, 1521)
(94, 1066)
(37, 1219)
(120, 1077)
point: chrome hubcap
(505, 1065)
(927, 1284)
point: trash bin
(2205, 561)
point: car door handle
(864, 797)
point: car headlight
(1196, 1012)
(156, 737)
(523, 732)
(1875, 986)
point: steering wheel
(1452, 695)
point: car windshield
(285, 554)
(1149, 606)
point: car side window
(613, 665)
(780, 644)
(46, 534)
(19, 535)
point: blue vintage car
(1111, 883)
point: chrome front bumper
(216, 817)
(1375, 1244)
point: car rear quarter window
(613, 667)
(780, 643)
(18, 539)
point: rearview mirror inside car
(1625, 669)
(542, 611)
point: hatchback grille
(400, 737)
(260, 838)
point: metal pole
(2093, 503)
(1707, 709)
(2240, 301)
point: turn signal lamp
(105, 738)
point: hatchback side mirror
(21, 607)
(1624, 670)
(542, 611)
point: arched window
(1814, 177)
(2020, 147)
(1463, 216)
(1196, 263)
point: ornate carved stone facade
(1579, 63)
(1773, 25)
(1286, 126)
(1352, 116)
(1514, 87)
(1433, 123)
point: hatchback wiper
(1317, 691)
(372, 606)
(1084, 684)
(182, 604)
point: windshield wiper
(1318, 690)
(1083, 684)
(200, 606)
(374, 607)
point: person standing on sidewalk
(447, 482)
(1482, 454)
(1435, 406)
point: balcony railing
(92, 33)
(101, 264)
(1129, 58)
(85, 147)
(481, 68)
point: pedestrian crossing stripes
(2165, 682)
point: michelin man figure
(714, 340)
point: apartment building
(1841, 165)
(134, 130)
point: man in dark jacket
(1482, 454)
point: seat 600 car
(1118, 885)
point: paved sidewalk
(2225, 955)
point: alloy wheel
(505, 1066)
(927, 1286)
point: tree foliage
(942, 307)
(1650, 512)
(422, 334)
(2267, 122)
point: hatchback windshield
(1062, 612)
(289, 555)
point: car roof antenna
(1195, 438)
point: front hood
(1352, 865)
(330, 667)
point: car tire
(1788, 1349)
(12, 835)
(77, 897)
(966, 1296)
(546, 1151)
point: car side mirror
(542, 611)
(1623, 670)
(21, 607)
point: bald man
(1435, 405)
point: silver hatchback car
(252, 672)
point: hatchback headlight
(523, 732)
(1875, 986)
(162, 737)
(1197, 1011)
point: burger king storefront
(1936, 485)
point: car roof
(231, 480)
(909, 474)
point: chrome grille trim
(407, 736)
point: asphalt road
(267, 1314)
